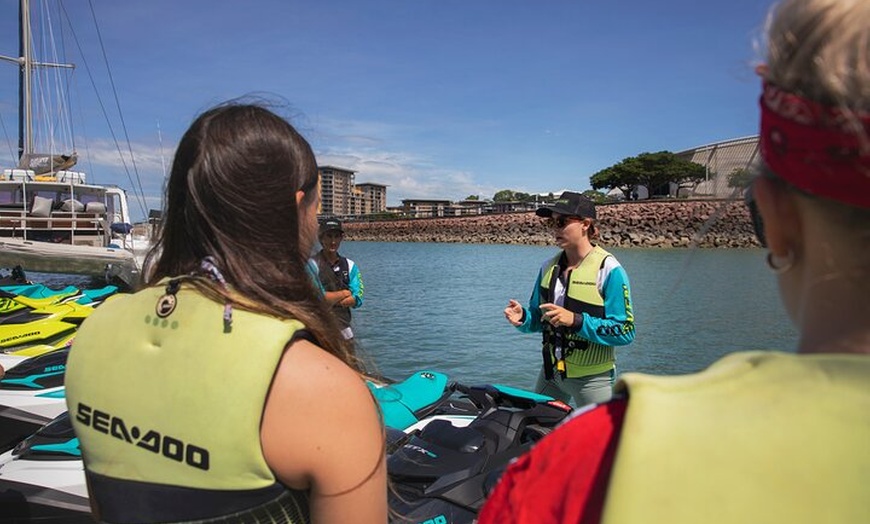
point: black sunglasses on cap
(562, 221)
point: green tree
(596, 196)
(619, 176)
(505, 195)
(472, 197)
(652, 170)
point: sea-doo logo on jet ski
(169, 447)
(16, 337)
(165, 305)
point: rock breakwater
(683, 223)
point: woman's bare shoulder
(314, 402)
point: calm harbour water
(439, 306)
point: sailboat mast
(25, 77)
(26, 65)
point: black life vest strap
(331, 280)
(131, 502)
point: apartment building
(336, 189)
(425, 208)
(370, 198)
(340, 196)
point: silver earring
(780, 265)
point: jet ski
(32, 290)
(21, 339)
(38, 302)
(42, 479)
(13, 303)
(44, 473)
(421, 396)
(33, 332)
(31, 395)
(443, 472)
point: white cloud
(364, 147)
(406, 175)
(149, 159)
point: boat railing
(65, 227)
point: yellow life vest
(757, 437)
(171, 404)
(582, 357)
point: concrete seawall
(717, 224)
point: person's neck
(330, 256)
(833, 316)
(575, 255)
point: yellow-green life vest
(758, 437)
(167, 407)
(582, 357)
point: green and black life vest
(168, 413)
(335, 277)
(582, 357)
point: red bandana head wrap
(816, 148)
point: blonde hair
(820, 49)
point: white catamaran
(51, 219)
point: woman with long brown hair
(231, 396)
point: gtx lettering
(419, 449)
(165, 445)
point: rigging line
(64, 87)
(40, 111)
(695, 244)
(141, 195)
(99, 100)
(73, 83)
(162, 157)
(6, 134)
(57, 123)
(46, 99)
(87, 146)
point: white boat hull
(47, 257)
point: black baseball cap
(330, 224)
(570, 204)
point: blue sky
(434, 99)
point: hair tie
(209, 266)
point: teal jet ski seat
(400, 401)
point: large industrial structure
(721, 160)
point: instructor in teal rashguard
(339, 276)
(581, 303)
